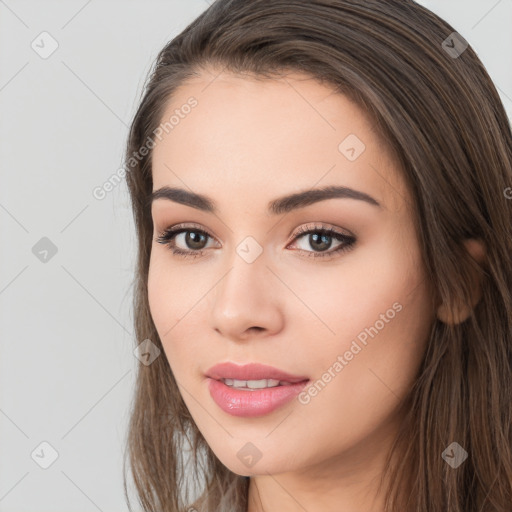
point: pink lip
(252, 371)
(250, 403)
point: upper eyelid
(318, 226)
(297, 233)
(186, 227)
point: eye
(194, 240)
(321, 239)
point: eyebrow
(277, 206)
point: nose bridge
(245, 280)
(243, 299)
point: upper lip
(252, 371)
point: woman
(320, 195)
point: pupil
(192, 238)
(324, 241)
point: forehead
(250, 134)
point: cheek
(156, 292)
(339, 301)
(174, 302)
(374, 312)
(163, 301)
(168, 292)
(365, 369)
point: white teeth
(252, 384)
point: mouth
(252, 376)
(239, 399)
(253, 385)
(253, 389)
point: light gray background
(66, 362)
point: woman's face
(351, 313)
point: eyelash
(167, 238)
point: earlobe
(476, 249)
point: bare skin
(246, 143)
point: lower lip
(245, 403)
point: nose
(247, 301)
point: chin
(262, 467)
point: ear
(476, 249)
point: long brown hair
(433, 103)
